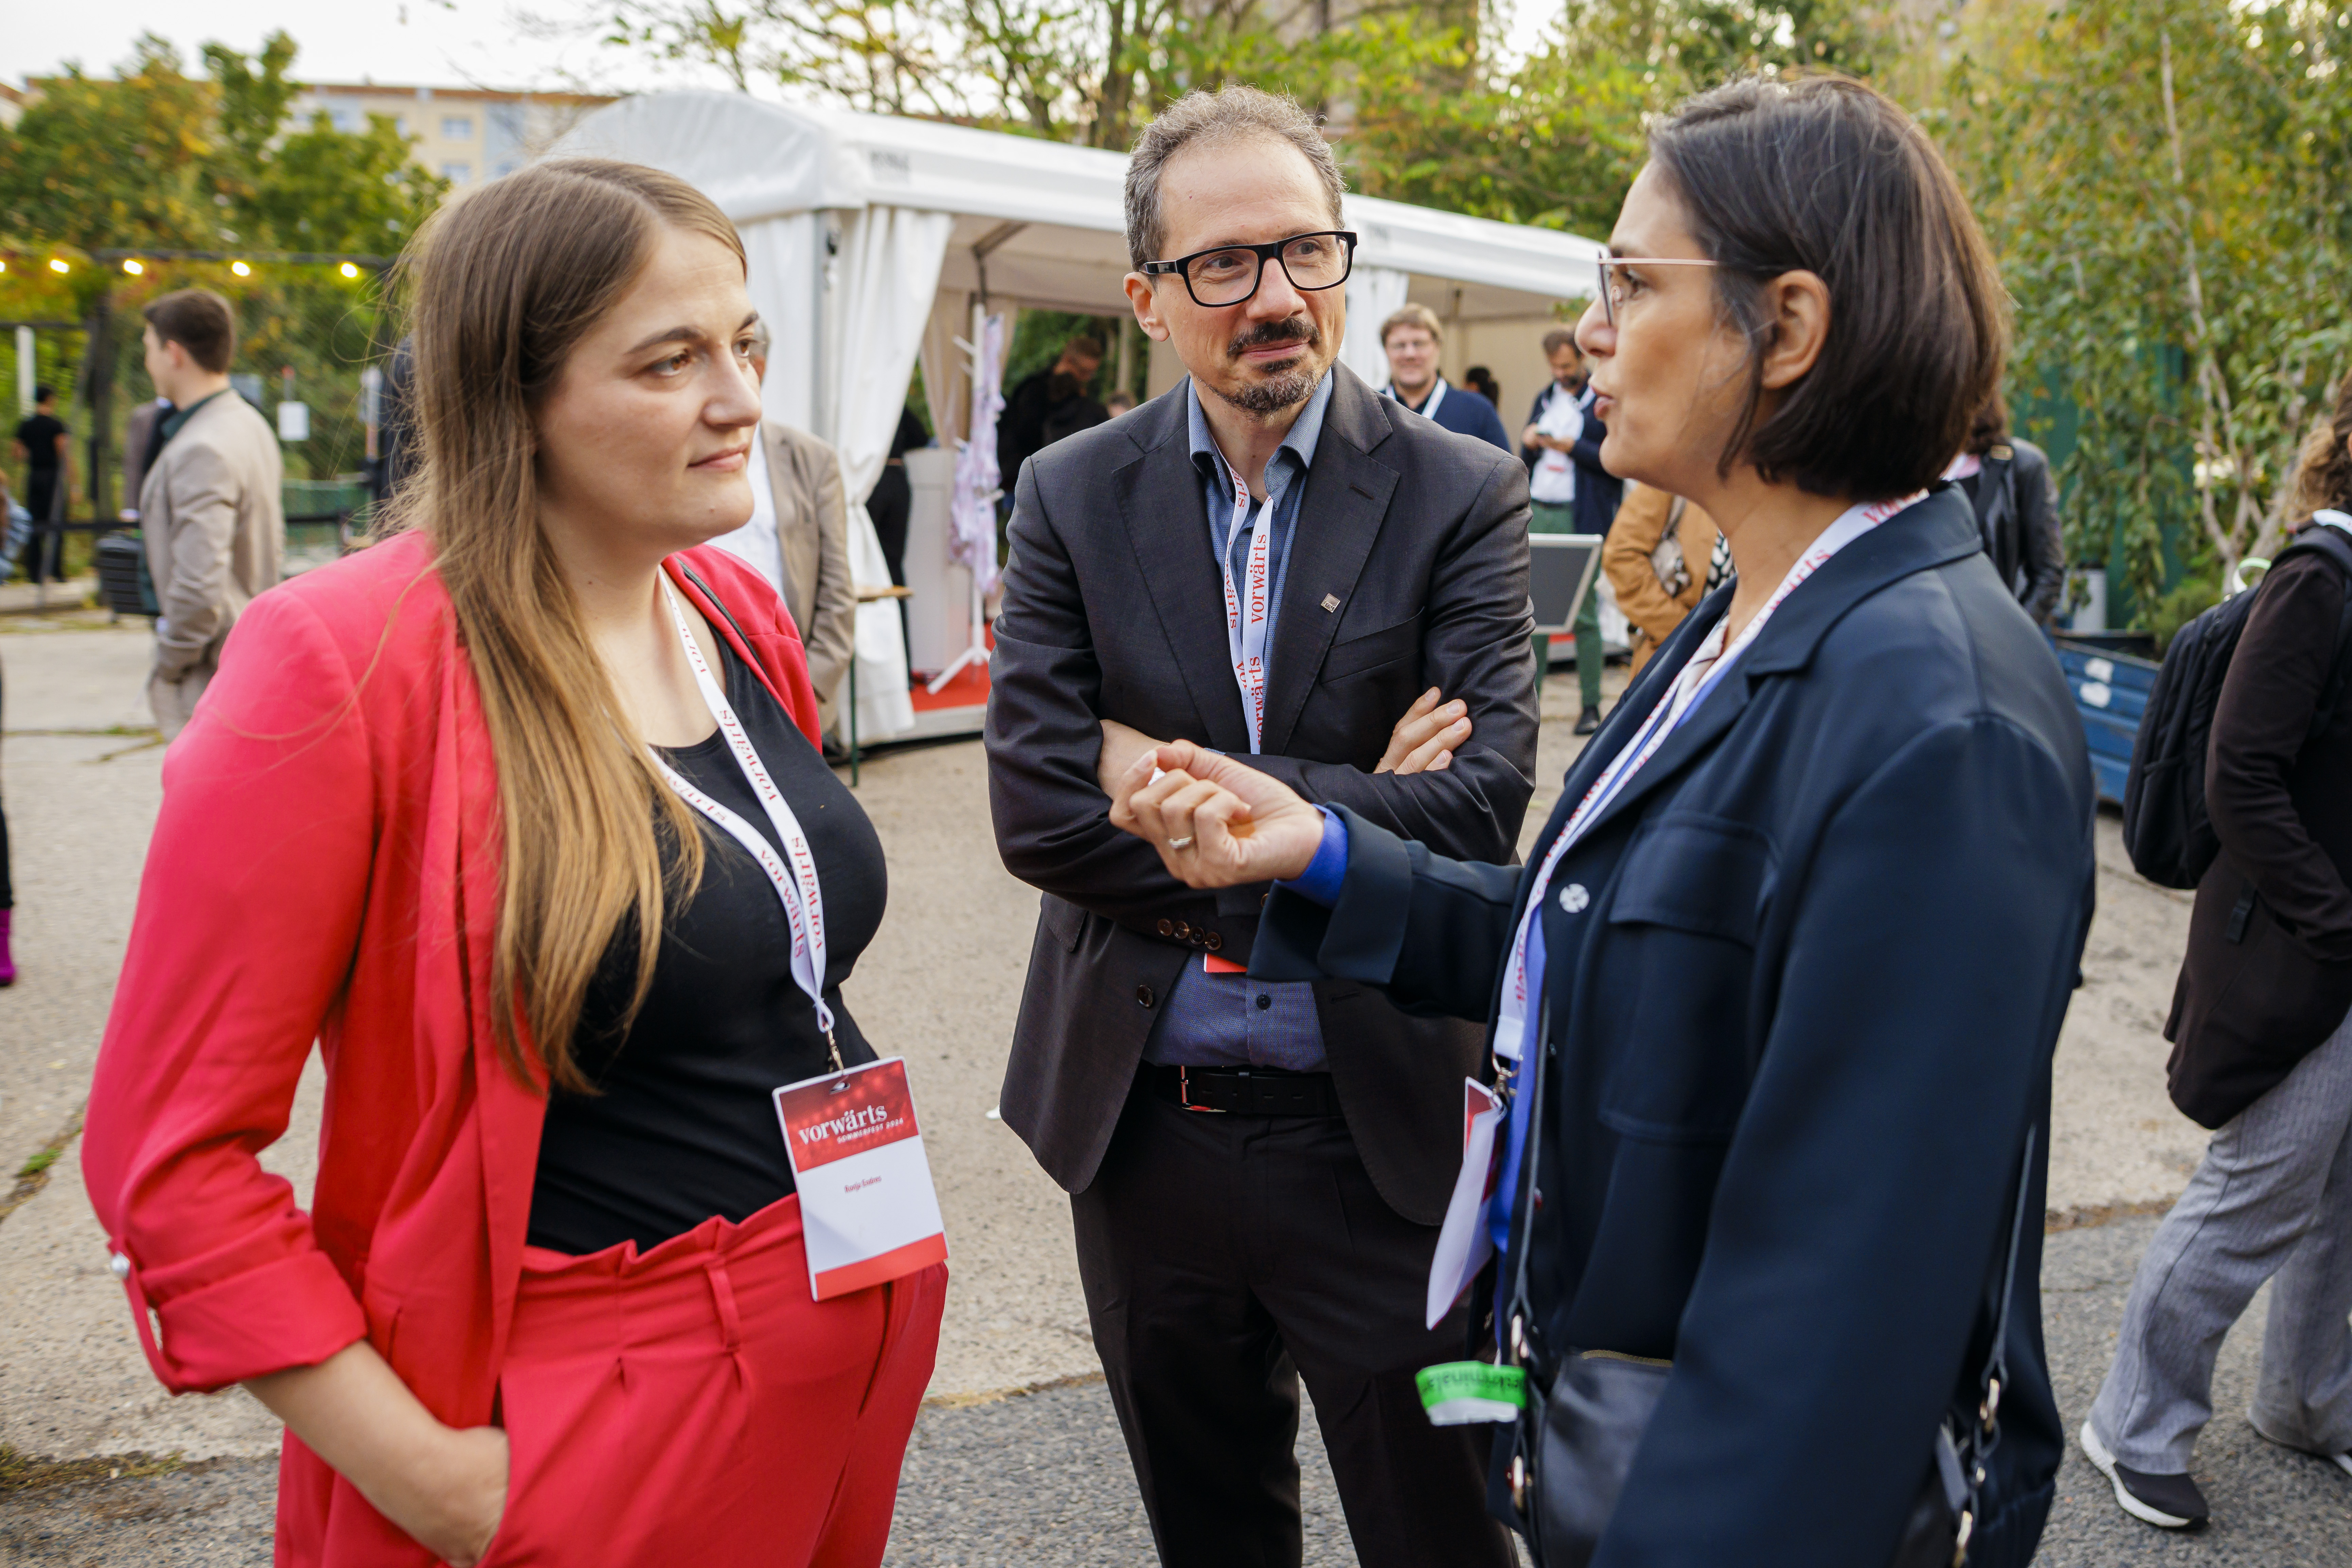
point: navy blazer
(1807, 973)
(1466, 412)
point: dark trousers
(45, 558)
(1226, 1256)
(892, 507)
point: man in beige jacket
(210, 507)
(798, 539)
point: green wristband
(1459, 1393)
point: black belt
(1246, 1091)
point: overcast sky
(432, 42)
(436, 43)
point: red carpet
(968, 689)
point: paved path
(1039, 1477)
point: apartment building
(464, 134)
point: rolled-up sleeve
(249, 913)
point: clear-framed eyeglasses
(1614, 285)
(1230, 275)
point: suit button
(1213, 941)
(1143, 995)
(1167, 928)
(1183, 932)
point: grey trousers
(2273, 1196)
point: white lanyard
(796, 888)
(1246, 611)
(1700, 676)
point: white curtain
(780, 257)
(972, 507)
(1374, 294)
(888, 277)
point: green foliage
(2166, 185)
(158, 159)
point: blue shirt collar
(1305, 431)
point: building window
(457, 173)
(457, 128)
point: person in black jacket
(1047, 405)
(2007, 480)
(2263, 1051)
(1776, 991)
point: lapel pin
(1330, 603)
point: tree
(2170, 187)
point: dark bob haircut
(1822, 174)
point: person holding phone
(1775, 996)
(518, 815)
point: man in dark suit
(1571, 493)
(1257, 1170)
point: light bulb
(133, 266)
(240, 268)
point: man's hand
(1426, 737)
(1216, 823)
(1532, 437)
(1120, 747)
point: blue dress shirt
(1230, 1020)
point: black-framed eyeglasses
(1230, 275)
(1613, 284)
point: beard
(1287, 387)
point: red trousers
(691, 1406)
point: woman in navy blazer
(1810, 904)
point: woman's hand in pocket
(445, 1486)
(455, 1511)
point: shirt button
(1574, 899)
(1143, 995)
(1167, 928)
(119, 1266)
(1264, 1003)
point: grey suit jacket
(1408, 569)
(214, 518)
(812, 528)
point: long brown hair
(503, 285)
(2323, 480)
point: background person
(1481, 380)
(212, 508)
(142, 438)
(2262, 1025)
(892, 507)
(46, 448)
(1020, 427)
(1663, 557)
(419, 818)
(1572, 494)
(1799, 936)
(2007, 480)
(798, 538)
(1413, 338)
(1227, 1257)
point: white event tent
(871, 239)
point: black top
(39, 432)
(685, 1128)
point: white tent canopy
(866, 232)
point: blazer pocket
(1061, 919)
(1682, 938)
(1373, 649)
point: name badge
(1462, 1243)
(869, 1211)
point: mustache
(1300, 330)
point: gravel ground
(1041, 1480)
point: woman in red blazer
(550, 1303)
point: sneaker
(2168, 1503)
(2341, 1462)
(1588, 721)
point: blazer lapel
(1167, 523)
(1340, 515)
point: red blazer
(326, 867)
